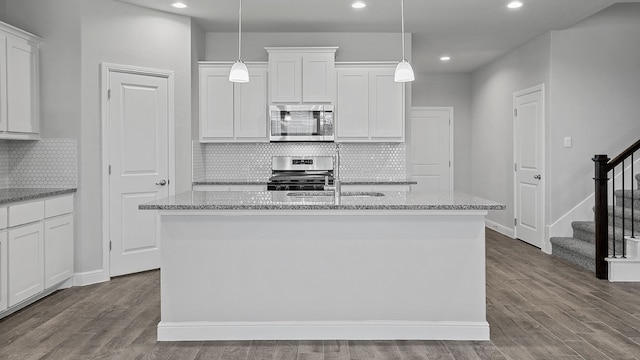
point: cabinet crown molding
(289, 49)
(20, 33)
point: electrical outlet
(568, 142)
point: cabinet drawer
(58, 206)
(3, 217)
(26, 213)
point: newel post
(601, 216)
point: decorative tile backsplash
(48, 163)
(252, 162)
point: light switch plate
(568, 142)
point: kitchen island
(291, 265)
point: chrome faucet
(336, 188)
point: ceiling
(472, 32)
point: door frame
(451, 131)
(543, 191)
(105, 70)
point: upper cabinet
(19, 84)
(302, 75)
(370, 105)
(232, 112)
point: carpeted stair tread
(631, 198)
(575, 251)
(638, 179)
(586, 230)
(627, 213)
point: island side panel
(280, 276)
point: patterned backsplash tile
(4, 164)
(252, 162)
(48, 163)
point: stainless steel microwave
(301, 123)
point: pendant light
(239, 72)
(404, 71)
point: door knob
(162, 182)
(537, 177)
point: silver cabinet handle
(537, 177)
(162, 182)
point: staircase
(581, 250)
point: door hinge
(109, 94)
(109, 169)
(515, 167)
(515, 112)
(109, 245)
(449, 163)
(515, 221)
(449, 122)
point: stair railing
(603, 167)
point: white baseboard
(314, 330)
(624, 270)
(500, 228)
(90, 277)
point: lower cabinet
(3, 271)
(58, 250)
(393, 187)
(229, 187)
(26, 262)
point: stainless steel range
(300, 173)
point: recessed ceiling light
(445, 58)
(358, 5)
(514, 5)
(179, 5)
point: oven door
(297, 123)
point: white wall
(492, 91)
(125, 34)
(595, 72)
(352, 46)
(451, 90)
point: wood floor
(539, 307)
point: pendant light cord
(240, 30)
(402, 10)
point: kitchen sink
(312, 194)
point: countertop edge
(348, 182)
(43, 194)
(320, 207)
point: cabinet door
(386, 106)
(22, 86)
(3, 82)
(58, 250)
(250, 109)
(216, 104)
(285, 77)
(352, 104)
(3, 271)
(318, 77)
(26, 262)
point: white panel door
(26, 262)
(139, 159)
(318, 71)
(529, 156)
(58, 249)
(22, 86)
(3, 271)
(431, 149)
(216, 104)
(250, 107)
(352, 104)
(386, 106)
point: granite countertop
(279, 200)
(21, 194)
(372, 181)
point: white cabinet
(19, 84)
(36, 249)
(58, 250)
(379, 187)
(302, 75)
(370, 105)
(3, 271)
(26, 262)
(232, 112)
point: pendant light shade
(239, 72)
(404, 71)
